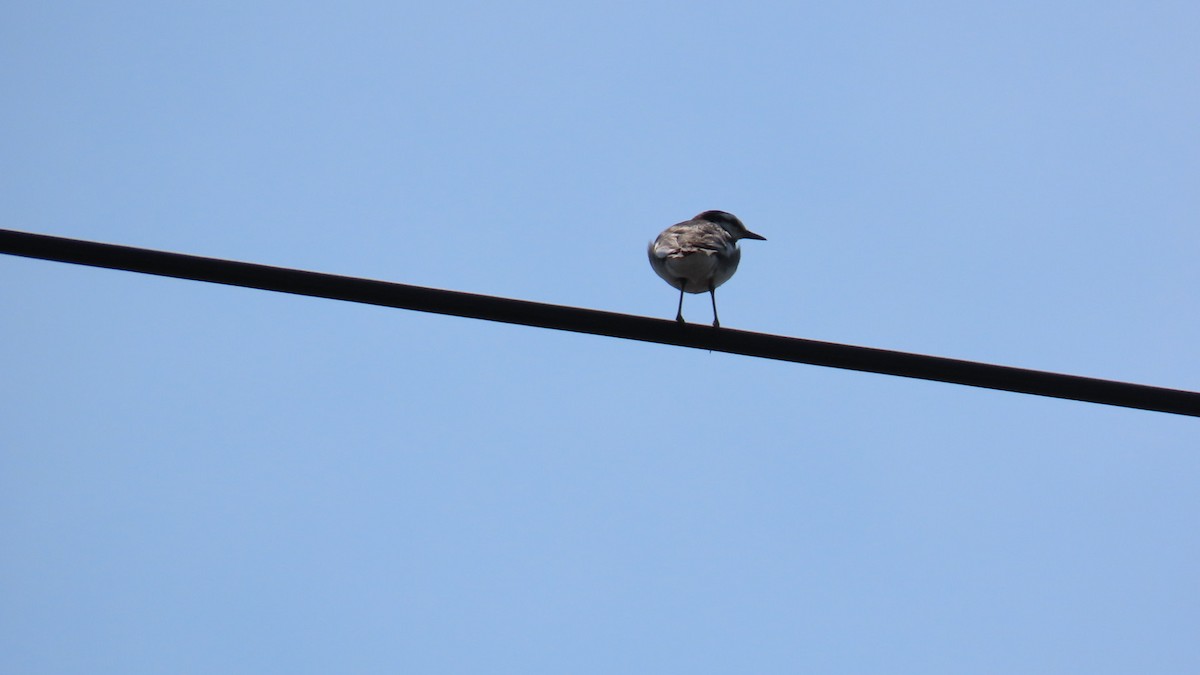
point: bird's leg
(712, 291)
(679, 312)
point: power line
(596, 322)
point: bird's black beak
(750, 235)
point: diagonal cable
(596, 322)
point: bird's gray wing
(690, 237)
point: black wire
(596, 322)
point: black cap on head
(731, 223)
(720, 217)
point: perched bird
(700, 254)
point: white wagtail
(700, 254)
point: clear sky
(207, 479)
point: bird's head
(730, 224)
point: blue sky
(196, 478)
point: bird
(700, 254)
